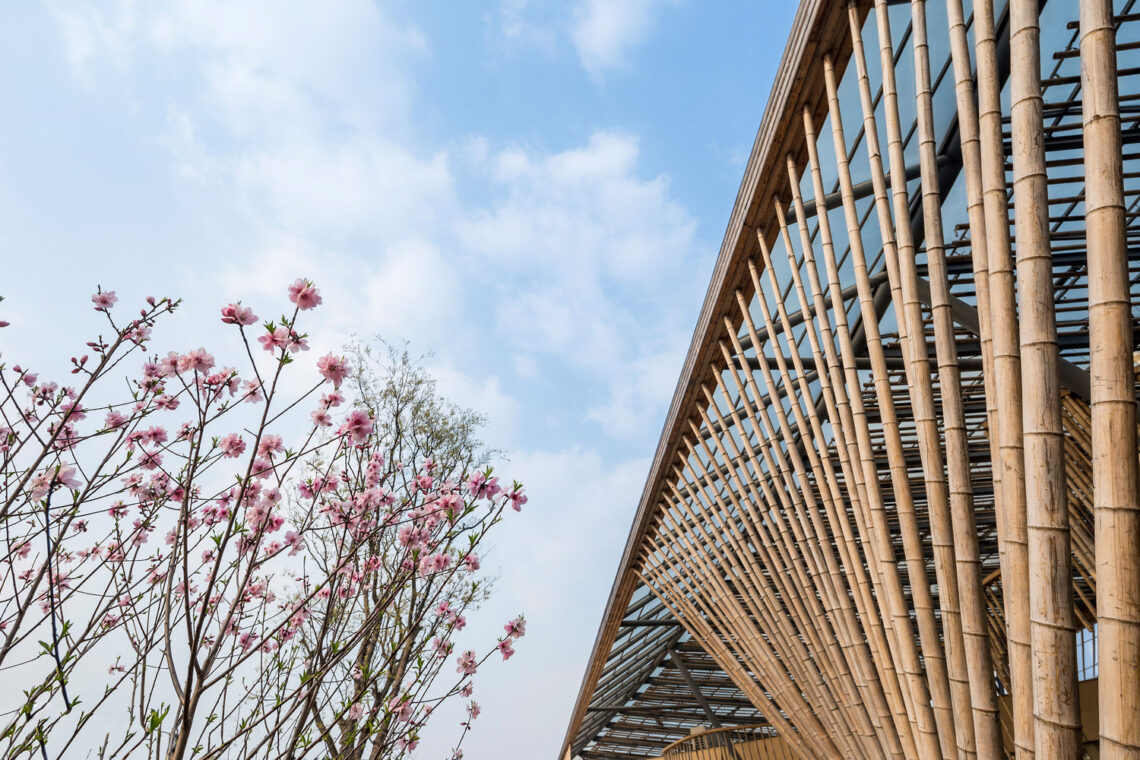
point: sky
(533, 193)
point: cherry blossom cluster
(222, 569)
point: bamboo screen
(907, 474)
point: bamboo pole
(1007, 376)
(1115, 478)
(823, 641)
(1056, 710)
(712, 559)
(824, 645)
(805, 510)
(983, 699)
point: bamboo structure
(901, 472)
(1114, 467)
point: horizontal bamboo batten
(901, 470)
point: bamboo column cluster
(891, 507)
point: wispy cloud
(604, 32)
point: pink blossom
(479, 486)
(39, 486)
(269, 445)
(150, 460)
(275, 339)
(197, 360)
(466, 663)
(295, 543)
(236, 314)
(516, 627)
(321, 418)
(104, 300)
(66, 476)
(333, 368)
(467, 689)
(355, 711)
(505, 648)
(251, 390)
(231, 445)
(473, 710)
(401, 708)
(358, 425)
(471, 563)
(262, 468)
(114, 420)
(442, 647)
(518, 499)
(304, 294)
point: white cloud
(605, 31)
(88, 33)
(592, 246)
(336, 187)
(513, 24)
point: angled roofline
(815, 26)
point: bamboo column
(720, 606)
(1056, 710)
(823, 641)
(805, 508)
(1115, 477)
(876, 541)
(714, 561)
(798, 656)
(975, 639)
(1007, 376)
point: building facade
(894, 509)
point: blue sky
(533, 191)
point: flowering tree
(181, 582)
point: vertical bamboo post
(1115, 477)
(721, 607)
(713, 561)
(1007, 375)
(944, 493)
(982, 697)
(1056, 710)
